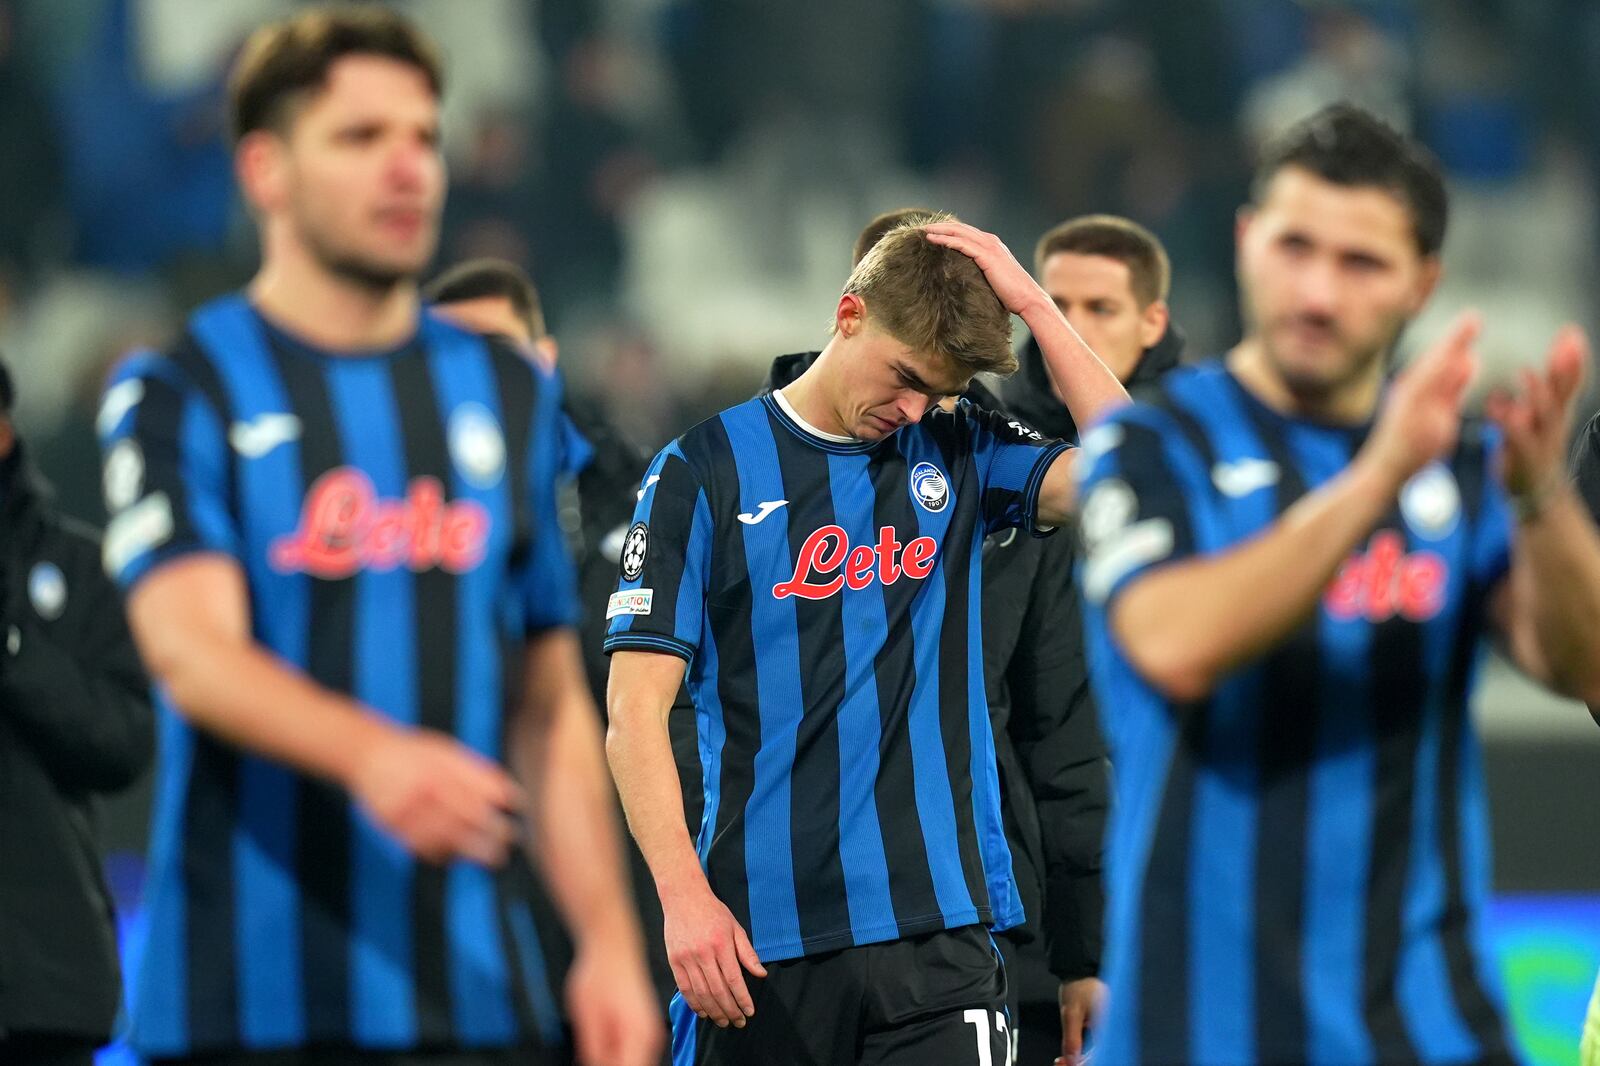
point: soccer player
(334, 515)
(1291, 562)
(813, 557)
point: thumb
(747, 952)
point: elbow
(1177, 673)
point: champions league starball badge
(634, 547)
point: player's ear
(1153, 323)
(261, 167)
(850, 317)
(1427, 280)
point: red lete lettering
(1386, 581)
(346, 528)
(828, 552)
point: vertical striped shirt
(394, 516)
(1297, 862)
(827, 597)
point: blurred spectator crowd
(684, 177)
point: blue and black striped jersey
(1297, 863)
(827, 597)
(394, 516)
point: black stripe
(210, 805)
(1290, 678)
(956, 661)
(731, 621)
(820, 894)
(512, 885)
(322, 843)
(1399, 690)
(158, 427)
(189, 357)
(434, 635)
(1189, 426)
(671, 518)
(1164, 1021)
(910, 875)
(518, 390)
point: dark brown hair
(1113, 237)
(283, 62)
(478, 279)
(873, 231)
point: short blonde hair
(934, 299)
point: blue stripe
(1475, 857)
(381, 980)
(642, 513)
(267, 913)
(546, 1015)
(861, 851)
(158, 1001)
(713, 734)
(936, 805)
(1005, 902)
(462, 375)
(1423, 987)
(769, 856)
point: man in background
(336, 518)
(75, 725)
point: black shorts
(932, 1000)
(337, 1056)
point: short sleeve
(659, 604)
(549, 581)
(1012, 460)
(164, 470)
(1135, 511)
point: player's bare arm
(1184, 626)
(705, 944)
(191, 620)
(556, 749)
(1090, 389)
(1548, 608)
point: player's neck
(808, 395)
(1348, 404)
(331, 312)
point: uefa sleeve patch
(635, 546)
(629, 601)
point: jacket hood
(1028, 394)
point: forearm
(1089, 388)
(640, 752)
(244, 695)
(1183, 625)
(575, 835)
(1556, 569)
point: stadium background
(684, 179)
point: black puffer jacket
(1047, 735)
(75, 722)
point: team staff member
(335, 514)
(75, 725)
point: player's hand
(1081, 1002)
(1014, 285)
(1535, 422)
(1421, 415)
(706, 947)
(441, 799)
(615, 1018)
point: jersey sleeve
(1137, 482)
(165, 470)
(659, 604)
(549, 580)
(1012, 460)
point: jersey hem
(648, 642)
(876, 934)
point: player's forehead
(370, 89)
(1080, 276)
(1359, 218)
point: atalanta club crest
(929, 488)
(634, 547)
